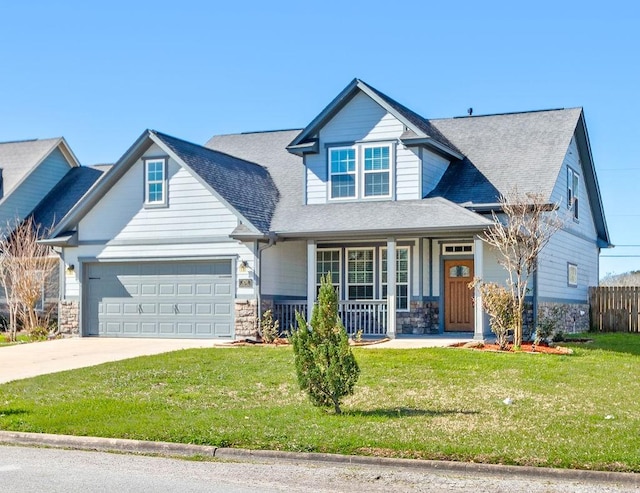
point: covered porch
(425, 292)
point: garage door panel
(166, 289)
(164, 299)
(222, 289)
(185, 289)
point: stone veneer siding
(69, 317)
(575, 316)
(246, 318)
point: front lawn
(578, 411)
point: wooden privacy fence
(614, 308)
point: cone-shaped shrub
(325, 365)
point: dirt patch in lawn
(526, 347)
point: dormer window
(343, 172)
(360, 171)
(155, 182)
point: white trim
(164, 181)
(457, 248)
(373, 274)
(389, 170)
(408, 283)
(339, 284)
(346, 173)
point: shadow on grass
(404, 412)
(12, 412)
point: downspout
(272, 241)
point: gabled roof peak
(420, 128)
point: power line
(620, 256)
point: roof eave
(382, 232)
(434, 145)
(69, 239)
(311, 146)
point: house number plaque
(245, 283)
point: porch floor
(407, 341)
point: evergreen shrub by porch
(325, 366)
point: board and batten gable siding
(576, 243)
(192, 210)
(433, 167)
(24, 198)
(284, 269)
(361, 119)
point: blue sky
(99, 74)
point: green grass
(20, 339)
(423, 403)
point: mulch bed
(526, 347)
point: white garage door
(159, 299)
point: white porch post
(311, 277)
(478, 265)
(391, 288)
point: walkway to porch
(416, 341)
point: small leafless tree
(26, 267)
(519, 236)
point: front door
(458, 297)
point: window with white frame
(342, 164)
(328, 261)
(376, 171)
(572, 275)
(155, 181)
(360, 274)
(39, 277)
(360, 171)
(402, 276)
(573, 182)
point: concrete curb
(178, 449)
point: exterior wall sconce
(71, 268)
(243, 266)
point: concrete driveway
(38, 358)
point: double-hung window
(402, 277)
(328, 262)
(342, 163)
(573, 182)
(360, 171)
(360, 269)
(376, 171)
(155, 182)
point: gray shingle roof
(503, 151)
(293, 217)
(245, 185)
(73, 186)
(18, 158)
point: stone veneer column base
(246, 319)
(422, 318)
(69, 317)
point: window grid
(343, 173)
(376, 171)
(155, 181)
(328, 261)
(402, 277)
(360, 274)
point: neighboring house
(29, 171)
(181, 240)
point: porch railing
(368, 316)
(285, 312)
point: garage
(159, 299)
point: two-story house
(182, 240)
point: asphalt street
(26, 470)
